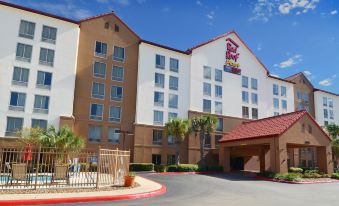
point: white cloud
(275, 75)
(289, 62)
(210, 15)
(263, 10)
(309, 75)
(334, 12)
(328, 81)
(199, 3)
(259, 47)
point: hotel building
(37, 69)
(117, 90)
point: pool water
(41, 178)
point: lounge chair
(61, 173)
(19, 172)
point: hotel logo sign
(232, 56)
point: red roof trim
(250, 138)
(38, 12)
(320, 90)
(163, 46)
(116, 16)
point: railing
(44, 168)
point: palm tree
(178, 128)
(204, 125)
(63, 140)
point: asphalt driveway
(233, 190)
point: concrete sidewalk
(147, 188)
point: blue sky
(289, 36)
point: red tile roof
(267, 127)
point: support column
(282, 157)
(324, 159)
(272, 152)
(262, 159)
(225, 158)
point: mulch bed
(302, 180)
(64, 190)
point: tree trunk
(177, 154)
(202, 146)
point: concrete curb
(296, 183)
(157, 192)
(185, 173)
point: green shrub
(288, 176)
(295, 170)
(335, 176)
(311, 171)
(160, 168)
(183, 168)
(172, 168)
(141, 167)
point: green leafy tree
(29, 136)
(204, 126)
(178, 128)
(333, 131)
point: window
(156, 159)
(118, 73)
(14, 124)
(173, 83)
(174, 65)
(207, 143)
(254, 83)
(207, 89)
(17, 101)
(99, 70)
(39, 123)
(41, 104)
(173, 101)
(96, 111)
(218, 91)
(219, 126)
(207, 106)
(116, 93)
(44, 80)
(284, 104)
(330, 102)
(49, 34)
(299, 96)
(275, 89)
(325, 123)
(159, 80)
(207, 72)
(27, 29)
(244, 97)
(113, 135)
(218, 108)
(325, 101)
(325, 113)
(158, 117)
(160, 61)
(114, 114)
(306, 98)
(331, 114)
(171, 159)
(309, 129)
(46, 56)
(118, 54)
(159, 99)
(254, 98)
(94, 134)
(172, 115)
(275, 113)
(157, 137)
(100, 49)
(300, 106)
(254, 113)
(170, 140)
(244, 81)
(98, 90)
(24, 52)
(283, 91)
(216, 140)
(218, 75)
(245, 112)
(276, 103)
(20, 76)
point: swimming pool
(31, 178)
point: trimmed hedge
(194, 168)
(137, 167)
(335, 175)
(160, 168)
(295, 170)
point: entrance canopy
(269, 139)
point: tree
(29, 136)
(178, 128)
(204, 125)
(333, 131)
(63, 140)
